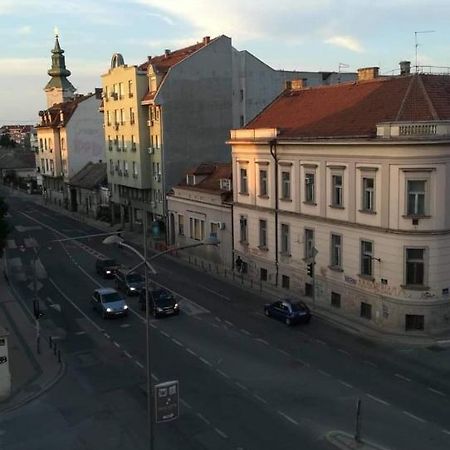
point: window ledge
(336, 206)
(286, 199)
(366, 277)
(415, 216)
(263, 196)
(310, 203)
(336, 268)
(263, 248)
(367, 211)
(414, 287)
(244, 193)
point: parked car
(162, 302)
(129, 282)
(106, 267)
(109, 303)
(288, 311)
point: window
(132, 116)
(285, 281)
(415, 267)
(244, 181)
(214, 228)
(181, 224)
(197, 229)
(42, 165)
(263, 274)
(336, 251)
(336, 195)
(124, 148)
(111, 166)
(130, 88)
(368, 192)
(263, 233)
(310, 187)
(122, 117)
(366, 258)
(366, 310)
(335, 299)
(263, 183)
(135, 170)
(309, 243)
(241, 120)
(285, 185)
(242, 95)
(416, 197)
(414, 322)
(243, 229)
(109, 143)
(285, 244)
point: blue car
(288, 311)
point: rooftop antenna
(341, 66)
(417, 44)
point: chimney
(166, 52)
(368, 73)
(288, 84)
(206, 40)
(149, 58)
(405, 67)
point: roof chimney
(166, 52)
(298, 84)
(368, 73)
(149, 58)
(288, 84)
(206, 40)
(405, 67)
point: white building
(353, 178)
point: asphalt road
(246, 382)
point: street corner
(346, 441)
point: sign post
(167, 401)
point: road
(246, 382)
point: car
(162, 302)
(288, 311)
(109, 303)
(129, 282)
(106, 267)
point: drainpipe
(232, 235)
(273, 152)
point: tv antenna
(417, 44)
(341, 66)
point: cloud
(347, 42)
(162, 17)
(24, 30)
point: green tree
(4, 225)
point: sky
(286, 34)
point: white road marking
(221, 433)
(245, 388)
(80, 333)
(223, 373)
(345, 352)
(164, 333)
(320, 342)
(435, 391)
(263, 341)
(185, 403)
(379, 400)
(324, 373)
(218, 319)
(152, 324)
(229, 323)
(107, 335)
(215, 293)
(370, 363)
(283, 352)
(125, 325)
(203, 418)
(402, 377)
(281, 413)
(139, 364)
(116, 344)
(127, 354)
(446, 431)
(345, 384)
(155, 377)
(191, 352)
(205, 361)
(246, 332)
(258, 397)
(419, 419)
(177, 342)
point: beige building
(200, 206)
(69, 134)
(344, 188)
(174, 111)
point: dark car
(129, 282)
(288, 311)
(162, 302)
(106, 267)
(109, 303)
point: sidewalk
(32, 374)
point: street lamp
(115, 239)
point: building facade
(182, 105)
(340, 194)
(200, 206)
(69, 134)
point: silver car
(109, 303)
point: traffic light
(310, 269)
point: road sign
(167, 401)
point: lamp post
(145, 260)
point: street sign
(167, 401)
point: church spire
(59, 88)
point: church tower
(59, 88)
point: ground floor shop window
(285, 282)
(414, 322)
(335, 299)
(366, 310)
(263, 274)
(308, 289)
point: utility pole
(416, 44)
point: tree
(4, 225)
(6, 141)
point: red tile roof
(354, 109)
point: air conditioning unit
(151, 150)
(221, 225)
